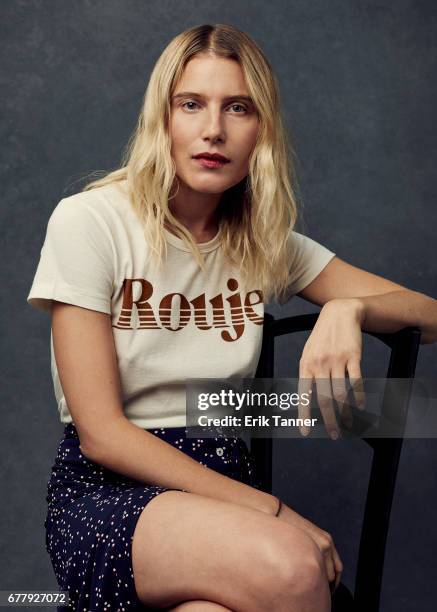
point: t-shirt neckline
(204, 247)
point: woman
(159, 272)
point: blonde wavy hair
(257, 215)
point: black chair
(404, 346)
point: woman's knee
(296, 568)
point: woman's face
(209, 113)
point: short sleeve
(307, 260)
(76, 263)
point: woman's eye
(189, 102)
(240, 106)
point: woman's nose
(214, 126)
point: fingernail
(305, 431)
(334, 434)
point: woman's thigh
(190, 547)
(199, 605)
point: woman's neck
(197, 212)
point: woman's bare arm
(87, 366)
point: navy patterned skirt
(92, 514)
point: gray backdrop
(359, 93)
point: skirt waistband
(169, 433)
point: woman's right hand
(323, 540)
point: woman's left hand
(322, 539)
(333, 349)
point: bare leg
(199, 605)
(187, 548)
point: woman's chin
(209, 186)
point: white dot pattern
(92, 514)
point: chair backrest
(404, 346)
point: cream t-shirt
(169, 324)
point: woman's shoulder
(104, 200)
(105, 208)
(299, 244)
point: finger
(356, 381)
(338, 565)
(329, 565)
(339, 391)
(337, 561)
(333, 563)
(326, 404)
(334, 585)
(337, 580)
(304, 390)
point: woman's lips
(210, 163)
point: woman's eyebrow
(193, 94)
